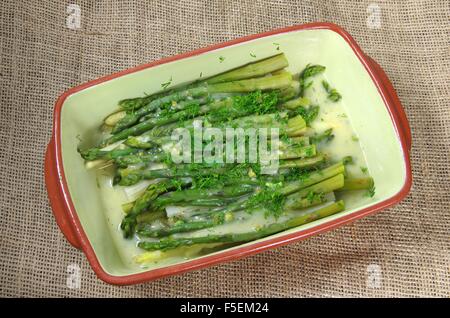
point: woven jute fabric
(402, 251)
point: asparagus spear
(207, 202)
(148, 217)
(311, 70)
(127, 207)
(289, 92)
(131, 104)
(313, 178)
(112, 119)
(170, 243)
(297, 102)
(286, 151)
(141, 157)
(252, 84)
(300, 141)
(247, 85)
(292, 127)
(131, 176)
(322, 181)
(357, 183)
(292, 202)
(251, 110)
(297, 152)
(148, 124)
(146, 229)
(152, 155)
(289, 151)
(225, 109)
(244, 180)
(190, 195)
(184, 251)
(303, 163)
(96, 153)
(312, 199)
(142, 203)
(250, 70)
(254, 69)
(133, 117)
(188, 106)
(318, 189)
(271, 196)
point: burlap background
(41, 57)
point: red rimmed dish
(371, 104)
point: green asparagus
(181, 206)
(170, 243)
(246, 85)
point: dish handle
(56, 197)
(397, 110)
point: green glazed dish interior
(83, 111)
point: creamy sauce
(345, 143)
(113, 198)
(333, 115)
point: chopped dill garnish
(252, 103)
(371, 191)
(297, 174)
(309, 71)
(270, 198)
(347, 160)
(308, 114)
(285, 138)
(310, 197)
(327, 135)
(313, 196)
(333, 94)
(309, 152)
(167, 159)
(166, 84)
(215, 180)
(209, 181)
(191, 111)
(177, 184)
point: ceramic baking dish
(370, 103)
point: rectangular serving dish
(371, 104)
